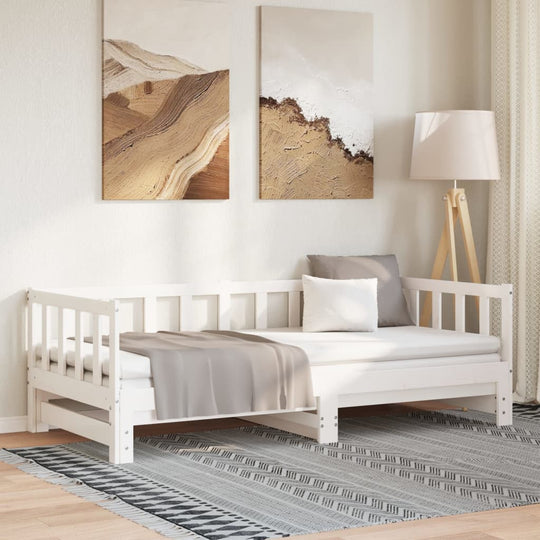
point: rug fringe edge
(111, 503)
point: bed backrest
(227, 305)
(235, 305)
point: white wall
(55, 231)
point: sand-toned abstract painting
(165, 100)
(316, 104)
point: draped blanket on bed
(210, 373)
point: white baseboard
(12, 424)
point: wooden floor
(31, 509)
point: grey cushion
(391, 302)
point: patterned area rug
(256, 482)
(527, 411)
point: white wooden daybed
(102, 392)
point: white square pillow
(347, 305)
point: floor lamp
(454, 145)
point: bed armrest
(65, 315)
(459, 289)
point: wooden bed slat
(436, 302)
(460, 312)
(414, 306)
(30, 336)
(224, 314)
(261, 310)
(96, 355)
(61, 342)
(79, 368)
(45, 359)
(484, 315)
(150, 314)
(186, 310)
(294, 309)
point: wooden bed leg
(504, 401)
(40, 397)
(327, 410)
(122, 453)
(499, 404)
(121, 447)
(32, 413)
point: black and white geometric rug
(527, 411)
(256, 482)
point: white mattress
(132, 366)
(383, 345)
(144, 382)
(385, 348)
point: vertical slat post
(294, 309)
(31, 419)
(459, 306)
(504, 387)
(186, 312)
(261, 310)
(224, 307)
(114, 346)
(120, 409)
(61, 342)
(31, 349)
(79, 368)
(507, 326)
(45, 359)
(96, 356)
(484, 315)
(414, 306)
(436, 306)
(150, 314)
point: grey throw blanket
(211, 373)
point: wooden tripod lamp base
(456, 209)
(454, 145)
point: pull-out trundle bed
(101, 392)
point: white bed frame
(107, 414)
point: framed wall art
(165, 100)
(316, 104)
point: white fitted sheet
(384, 345)
(386, 348)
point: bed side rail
(58, 315)
(412, 288)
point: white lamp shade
(455, 145)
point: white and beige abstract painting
(316, 104)
(165, 100)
